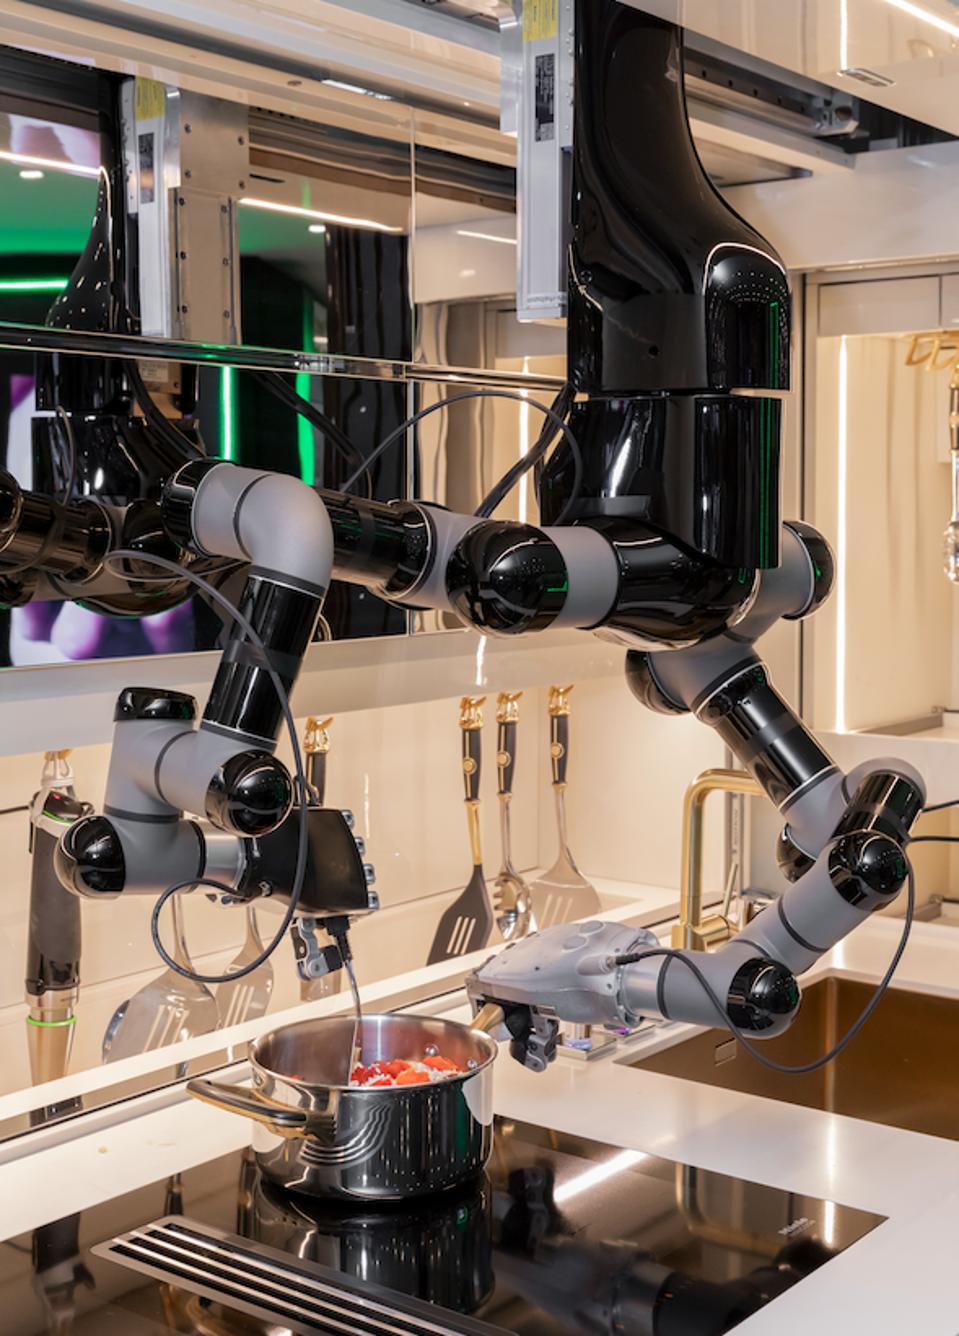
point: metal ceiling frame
(268, 54)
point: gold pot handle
(279, 1118)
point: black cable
(934, 839)
(302, 848)
(411, 421)
(160, 424)
(275, 384)
(8, 811)
(531, 460)
(939, 807)
(803, 1068)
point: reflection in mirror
(461, 451)
(464, 289)
(324, 265)
(323, 243)
(324, 237)
(235, 414)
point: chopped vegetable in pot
(418, 1071)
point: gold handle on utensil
(507, 707)
(559, 733)
(471, 713)
(317, 738)
(471, 723)
(473, 823)
(56, 767)
(507, 722)
(316, 746)
(279, 1118)
(559, 701)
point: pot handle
(279, 1118)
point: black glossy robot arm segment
(862, 868)
(39, 535)
(506, 578)
(501, 577)
(725, 684)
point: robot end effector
(613, 975)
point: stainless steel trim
(481, 377)
(266, 1283)
(84, 344)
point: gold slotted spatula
(562, 894)
(467, 924)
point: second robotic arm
(842, 847)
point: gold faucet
(693, 932)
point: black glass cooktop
(562, 1237)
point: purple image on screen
(59, 632)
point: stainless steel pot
(384, 1144)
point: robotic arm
(163, 766)
(679, 326)
(842, 847)
(843, 839)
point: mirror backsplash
(368, 259)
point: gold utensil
(562, 894)
(467, 923)
(511, 897)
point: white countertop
(901, 1278)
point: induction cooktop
(563, 1236)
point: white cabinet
(881, 306)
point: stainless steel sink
(902, 1069)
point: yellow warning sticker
(539, 19)
(149, 99)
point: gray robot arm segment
(161, 764)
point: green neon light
(62, 820)
(304, 433)
(227, 412)
(305, 445)
(33, 284)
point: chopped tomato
(416, 1071)
(412, 1077)
(440, 1064)
(396, 1068)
